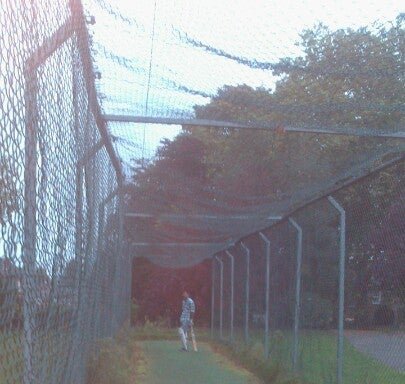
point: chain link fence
(321, 292)
(64, 276)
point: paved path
(167, 365)
(386, 347)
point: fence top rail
(348, 131)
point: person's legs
(183, 335)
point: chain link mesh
(373, 286)
(328, 141)
(64, 278)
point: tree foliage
(344, 78)
(157, 291)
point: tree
(344, 78)
(157, 291)
(177, 162)
(371, 226)
(388, 241)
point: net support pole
(221, 296)
(247, 290)
(232, 309)
(118, 280)
(212, 297)
(120, 246)
(267, 243)
(297, 304)
(69, 372)
(30, 223)
(79, 182)
(98, 300)
(100, 245)
(79, 275)
(128, 266)
(342, 259)
(74, 374)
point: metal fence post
(127, 294)
(221, 295)
(79, 190)
(297, 293)
(103, 331)
(120, 240)
(342, 259)
(30, 223)
(74, 373)
(99, 300)
(100, 246)
(267, 297)
(212, 297)
(247, 288)
(117, 279)
(78, 284)
(232, 292)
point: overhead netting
(263, 107)
(217, 120)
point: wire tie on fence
(91, 20)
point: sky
(140, 74)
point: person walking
(186, 321)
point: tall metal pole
(342, 258)
(120, 239)
(212, 297)
(221, 296)
(75, 371)
(247, 290)
(72, 374)
(100, 299)
(297, 293)
(267, 295)
(30, 223)
(232, 292)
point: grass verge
(250, 357)
(317, 359)
(117, 360)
